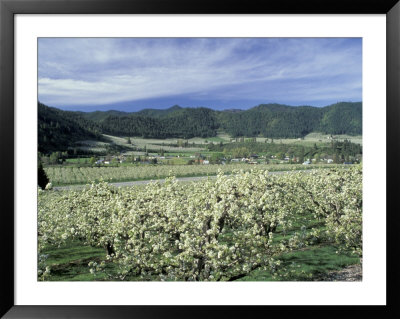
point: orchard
(213, 230)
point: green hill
(342, 118)
(59, 129)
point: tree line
(59, 130)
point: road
(179, 179)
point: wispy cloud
(97, 71)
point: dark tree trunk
(110, 249)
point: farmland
(71, 175)
(197, 143)
(245, 226)
(134, 158)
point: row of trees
(209, 231)
(339, 151)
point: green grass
(77, 160)
(314, 138)
(155, 144)
(306, 264)
(70, 263)
(71, 252)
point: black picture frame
(8, 8)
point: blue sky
(130, 74)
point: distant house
(106, 162)
(100, 161)
(206, 162)
(235, 160)
(307, 163)
(329, 161)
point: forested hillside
(342, 118)
(59, 128)
(185, 123)
(282, 121)
(272, 120)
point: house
(307, 163)
(329, 161)
(206, 162)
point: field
(317, 138)
(156, 144)
(250, 226)
(72, 175)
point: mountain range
(59, 129)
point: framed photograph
(230, 108)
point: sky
(130, 74)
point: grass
(314, 138)
(155, 144)
(70, 263)
(305, 264)
(77, 160)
